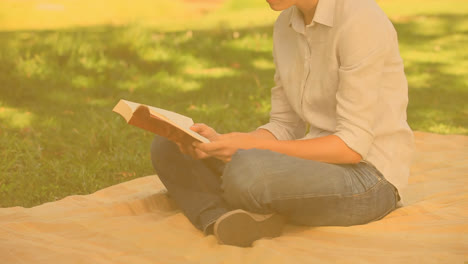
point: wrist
(264, 143)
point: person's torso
(308, 63)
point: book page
(132, 105)
(181, 120)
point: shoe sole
(241, 228)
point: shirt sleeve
(363, 46)
(284, 123)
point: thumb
(204, 130)
(198, 127)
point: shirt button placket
(308, 52)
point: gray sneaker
(242, 228)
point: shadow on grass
(438, 88)
(68, 81)
(64, 84)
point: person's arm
(263, 133)
(248, 139)
(363, 47)
(329, 149)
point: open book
(173, 126)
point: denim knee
(240, 176)
(163, 153)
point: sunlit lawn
(64, 67)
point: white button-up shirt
(343, 75)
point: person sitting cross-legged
(339, 74)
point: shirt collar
(324, 14)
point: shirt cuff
(358, 140)
(281, 133)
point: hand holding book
(226, 145)
(206, 132)
(197, 140)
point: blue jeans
(306, 192)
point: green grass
(59, 80)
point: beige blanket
(135, 222)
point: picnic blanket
(135, 222)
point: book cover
(174, 126)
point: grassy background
(65, 64)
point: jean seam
(384, 214)
(330, 195)
(358, 196)
(387, 212)
(250, 192)
(376, 171)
